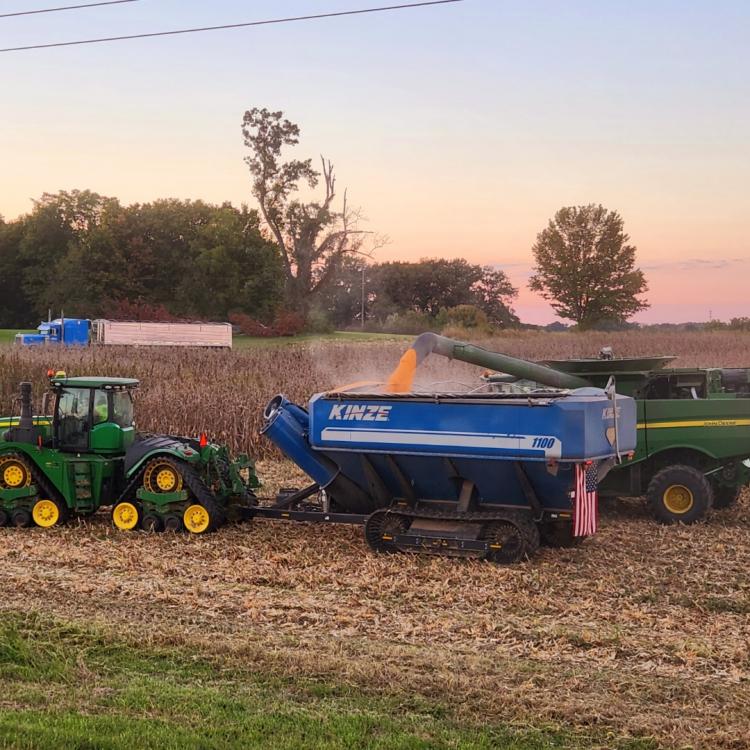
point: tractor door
(73, 419)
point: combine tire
(559, 534)
(20, 518)
(679, 494)
(512, 539)
(47, 513)
(725, 497)
(4, 517)
(381, 525)
(126, 516)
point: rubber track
(203, 495)
(449, 515)
(520, 516)
(37, 477)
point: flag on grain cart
(585, 500)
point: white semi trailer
(140, 333)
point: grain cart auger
(84, 453)
(693, 429)
(465, 474)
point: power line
(64, 7)
(233, 25)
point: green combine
(84, 453)
(693, 450)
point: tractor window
(122, 403)
(101, 407)
(73, 418)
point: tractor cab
(92, 415)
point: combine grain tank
(140, 333)
(482, 475)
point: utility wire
(64, 7)
(291, 19)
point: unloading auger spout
(401, 379)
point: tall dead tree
(312, 236)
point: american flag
(585, 510)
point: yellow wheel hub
(45, 513)
(15, 475)
(161, 477)
(678, 499)
(125, 516)
(196, 519)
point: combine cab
(85, 454)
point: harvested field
(643, 630)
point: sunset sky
(459, 129)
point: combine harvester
(693, 428)
(483, 475)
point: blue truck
(67, 331)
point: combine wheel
(162, 475)
(558, 534)
(47, 513)
(126, 516)
(4, 517)
(20, 518)
(14, 472)
(151, 522)
(512, 539)
(725, 497)
(173, 523)
(381, 526)
(679, 494)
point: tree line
(94, 257)
(291, 262)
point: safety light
(203, 442)
(50, 373)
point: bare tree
(312, 236)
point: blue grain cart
(66, 331)
(469, 474)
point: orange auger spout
(402, 378)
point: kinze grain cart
(86, 454)
(466, 474)
(693, 427)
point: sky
(458, 129)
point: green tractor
(84, 453)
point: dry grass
(643, 630)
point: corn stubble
(643, 630)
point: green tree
(586, 268)
(312, 236)
(15, 306)
(436, 283)
(233, 268)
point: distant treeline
(92, 256)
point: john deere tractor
(84, 454)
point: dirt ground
(643, 630)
